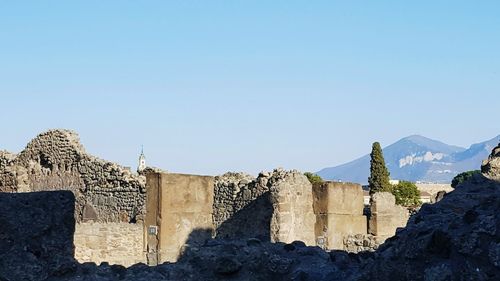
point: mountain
(417, 158)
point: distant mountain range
(417, 158)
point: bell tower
(142, 161)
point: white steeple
(142, 161)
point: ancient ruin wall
(293, 216)
(275, 206)
(55, 160)
(242, 207)
(8, 179)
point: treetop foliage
(463, 177)
(379, 175)
(313, 178)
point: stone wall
(242, 207)
(8, 174)
(339, 213)
(115, 243)
(105, 193)
(55, 160)
(293, 216)
(386, 217)
(275, 206)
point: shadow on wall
(199, 237)
(36, 234)
(253, 221)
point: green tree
(379, 175)
(313, 178)
(463, 177)
(406, 193)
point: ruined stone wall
(115, 243)
(242, 207)
(56, 160)
(293, 216)
(106, 194)
(275, 206)
(8, 179)
(386, 217)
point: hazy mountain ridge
(417, 158)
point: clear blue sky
(212, 86)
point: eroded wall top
(56, 160)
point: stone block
(338, 198)
(383, 203)
(293, 216)
(386, 216)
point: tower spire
(142, 160)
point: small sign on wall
(321, 242)
(153, 230)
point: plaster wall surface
(182, 206)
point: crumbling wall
(106, 194)
(242, 206)
(386, 217)
(275, 206)
(339, 212)
(8, 179)
(55, 160)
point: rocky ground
(457, 238)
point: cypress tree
(379, 175)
